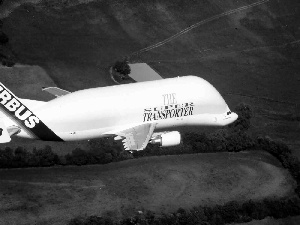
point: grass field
(161, 184)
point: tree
(6, 158)
(21, 157)
(122, 67)
(3, 38)
(79, 157)
(45, 157)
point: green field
(161, 184)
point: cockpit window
(228, 113)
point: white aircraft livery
(136, 113)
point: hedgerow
(20, 158)
(100, 152)
(231, 212)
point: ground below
(161, 184)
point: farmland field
(161, 184)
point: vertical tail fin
(12, 107)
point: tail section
(4, 135)
(13, 108)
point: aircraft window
(228, 113)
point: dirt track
(54, 195)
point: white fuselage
(98, 112)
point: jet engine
(167, 139)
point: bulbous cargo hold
(136, 113)
(165, 101)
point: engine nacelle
(167, 139)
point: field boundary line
(198, 24)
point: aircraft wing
(57, 92)
(136, 138)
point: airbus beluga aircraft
(136, 113)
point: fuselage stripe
(12, 106)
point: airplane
(136, 113)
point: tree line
(100, 152)
(231, 212)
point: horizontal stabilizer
(4, 136)
(57, 92)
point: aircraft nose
(228, 118)
(231, 118)
(235, 117)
